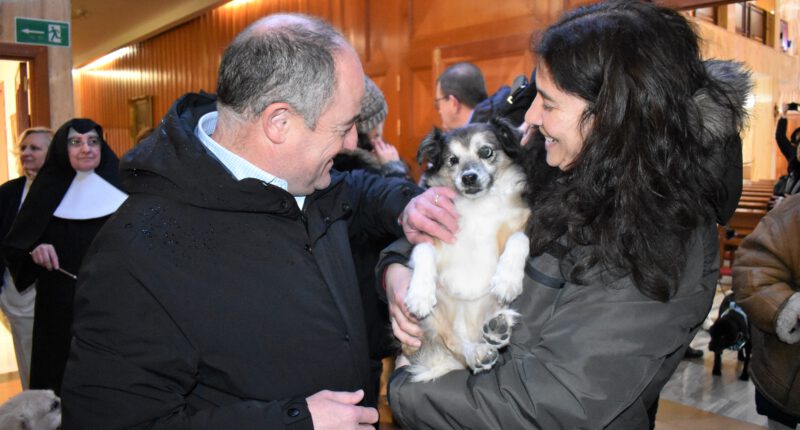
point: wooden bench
(742, 223)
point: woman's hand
(45, 255)
(404, 325)
(431, 215)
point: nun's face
(84, 150)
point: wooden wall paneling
(186, 59)
(495, 36)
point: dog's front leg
(507, 280)
(717, 369)
(421, 297)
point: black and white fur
(461, 291)
(731, 330)
(31, 410)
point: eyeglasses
(77, 143)
(438, 99)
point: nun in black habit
(77, 189)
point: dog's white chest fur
(466, 267)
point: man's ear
(456, 104)
(276, 121)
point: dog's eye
(452, 161)
(55, 406)
(485, 152)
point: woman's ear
(276, 122)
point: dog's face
(725, 333)
(469, 159)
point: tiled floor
(726, 395)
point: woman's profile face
(33, 151)
(558, 115)
(83, 150)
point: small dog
(31, 410)
(461, 291)
(731, 330)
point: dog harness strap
(741, 339)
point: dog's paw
(506, 288)
(421, 297)
(497, 330)
(421, 306)
(484, 358)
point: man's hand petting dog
(431, 215)
(337, 410)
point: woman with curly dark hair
(623, 262)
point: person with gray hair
(18, 303)
(458, 90)
(223, 294)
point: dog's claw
(505, 287)
(420, 304)
(485, 357)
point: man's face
(446, 106)
(314, 149)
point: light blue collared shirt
(238, 167)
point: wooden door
(3, 139)
(21, 86)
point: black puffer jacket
(208, 302)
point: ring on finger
(436, 199)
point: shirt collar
(237, 166)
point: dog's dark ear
(508, 136)
(431, 149)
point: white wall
(8, 72)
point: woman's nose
(534, 114)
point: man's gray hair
(286, 58)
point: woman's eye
(485, 152)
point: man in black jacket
(223, 294)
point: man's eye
(485, 152)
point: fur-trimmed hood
(721, 118)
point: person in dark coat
(223, 294)
(18, 306)
(75, 192)
(789, 149)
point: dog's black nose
(469, 178)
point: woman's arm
(765, 271)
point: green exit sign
(42, 32)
